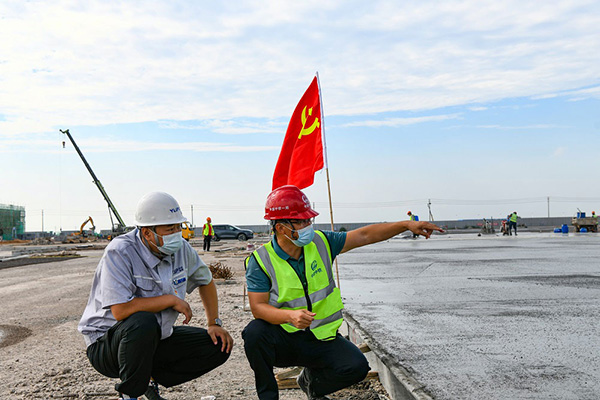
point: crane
(118, 227)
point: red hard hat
(288, 202)
(408, 213)
(208, 219)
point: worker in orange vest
(207, 232)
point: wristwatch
(218, 322)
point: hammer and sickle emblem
(309, 130)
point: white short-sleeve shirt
(128, 269)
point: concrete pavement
(486, 317)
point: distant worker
(137, 295)
(594, 215)
(512, 222)
(504, 228)
(412, 217)
(207, 232)
(507, 222)
(298, 310)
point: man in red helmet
(293, 297)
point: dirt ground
(42, 355)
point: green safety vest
(513, 217)
(208, 230)
(287, 292)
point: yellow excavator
(82, 236)
(91, 221)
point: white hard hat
(158, 208)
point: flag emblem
(309, 130)
(302, 151)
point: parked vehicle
(187, 231)
(231, 232)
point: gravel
(42, 355)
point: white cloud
(559, 151)
(40, 145)
(584, 94)
(392, 122)
(514, 127)
(230, 127)
(101, 62)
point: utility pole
(42, 222)
(192, 207)
(429, 206)
(548, 206)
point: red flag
(302, 150)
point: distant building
(12, 222)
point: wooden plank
(288, 373)
(290, 383)
(364, 347)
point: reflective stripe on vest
(287, 291)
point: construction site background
(12, 225)
(541, 224)
(12, 222)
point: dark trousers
(511, 226)
(207, 240)
(329, 365)
(132, 351)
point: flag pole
(337, 271)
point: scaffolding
(12, 222)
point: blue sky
(483, 107)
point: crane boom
(120, 226)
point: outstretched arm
(378, 232)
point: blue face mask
(171, 243)
(305, 236)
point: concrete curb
(395, 378)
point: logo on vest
(315, 268)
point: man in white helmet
(137, 294)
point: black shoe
(303, 383)
(152, 392)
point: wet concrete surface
(486, 317)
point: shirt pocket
(146, 287)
